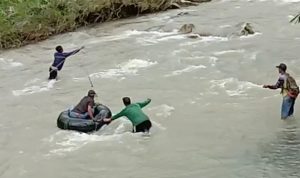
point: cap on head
(59, 49)
(91, 93)
(282, 66)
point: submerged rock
(247, 29)
(186, 28)
(241, 29)
(184, 3)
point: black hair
(59, 48)
(126, 101)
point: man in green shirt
(140, 121)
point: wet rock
(174, 5)
(193, 36)
(184, 3)
(186, 28)
(183, 13)
(241, 29)
(247, 29)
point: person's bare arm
(90, 111)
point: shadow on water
(281, 156)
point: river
(211, 117)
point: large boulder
(186, 28)
(189, 30)
(247, 29)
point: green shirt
(134, 113)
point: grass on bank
(26, 21)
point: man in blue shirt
(59, 60)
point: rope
(88, 75)
(296, 19)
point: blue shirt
(59, 58)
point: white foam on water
(229, 51)
(119, 126)
(171, 37)
(273, 96)
(159, 33)
(154, 37)
(224, 26)
(161, 18)
(178, 51)
(205, 39)
(74, 144)
(162, 111)
(284, 1)
(186, 70)
(158, 125)
(251, 36)
(129, 68)
(252, 56)
(9, 63)
(213, 38)
(45, 86)
(233, 86)
(130, 33)
(68, 141)
(213, 60)
(32, 81)
(77, 79)
(146, 41)
(121, 36)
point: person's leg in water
(291, 112)
(143, 127)
(52, 74)
(287, 107)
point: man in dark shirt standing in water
(134, 113)
(59, 60)
(84, 108)
(289, 98)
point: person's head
(281, 68)
(126, 101)
(59, 49)
(91, 93)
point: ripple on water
(129, 68)
(9, 63)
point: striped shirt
(281, 83)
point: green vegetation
(27, 21)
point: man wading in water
(289, 91)
(133, 111)
(59, 60)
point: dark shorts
(143, 127)
(52, 74)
